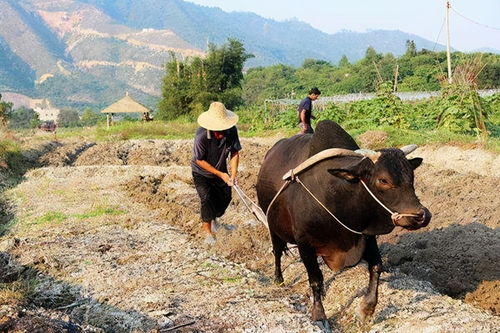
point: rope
(394, 215)
(376, 199)
(329, 212)
(290, 177)
(277, 194)
(252, 206)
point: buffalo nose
(423, 216)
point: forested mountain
(88, 52)
(15, 74)
(271, 42)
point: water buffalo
(335, 203)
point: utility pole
(448, 6)
(396, 73)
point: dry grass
(8, 146)
(14, 293)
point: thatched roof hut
(127, 105)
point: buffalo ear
(344, 174)
(415, 162)
(353, 172)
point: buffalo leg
(310, 260)
(372, 256)
(279, 246)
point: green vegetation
(5, 109)
(7, 218)
(457, 114)
(14, 72)
(404, 122)
(10, 151)
(68, 118)
(457, 110)
(23, 118)
(90, 118)
(179, 129)
(415, 71)
(99, 211)
(190, 86)
(50, 218)
(53, 217)
(422, 122)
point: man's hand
(227, 179)
(233, 181)
(235, 160)
(303, 128)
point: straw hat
(217, 118)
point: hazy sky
(476, 25)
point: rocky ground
(105, 239)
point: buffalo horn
(408, 149)
(371, 154)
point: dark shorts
(215, 196)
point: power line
(475, 22)
(439, 34)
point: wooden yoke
(322, 155)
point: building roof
(126, 105)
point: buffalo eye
(383, 183)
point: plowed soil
(110, 232)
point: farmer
(305, 111)
(215, 140)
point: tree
(224, 68)
(368, 71)
(89, 118)
(23, 118)
(189, 86)
(5, 109)
(176, 94)
(313, 63)
(68, 118)
(371, 56)
(344, 62)
(269, 82)
(411, 49)
(422, 71)
(387, 66)
(489, 77)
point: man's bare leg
(207, 230)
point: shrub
(461, 110)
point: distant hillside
(272, 42)
(15, 74)
(27, 35)
(88, 52)
(486, 50)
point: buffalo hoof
(365, 310)
(318, 312)
(278, 280)
(324, 325)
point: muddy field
(110, 233)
